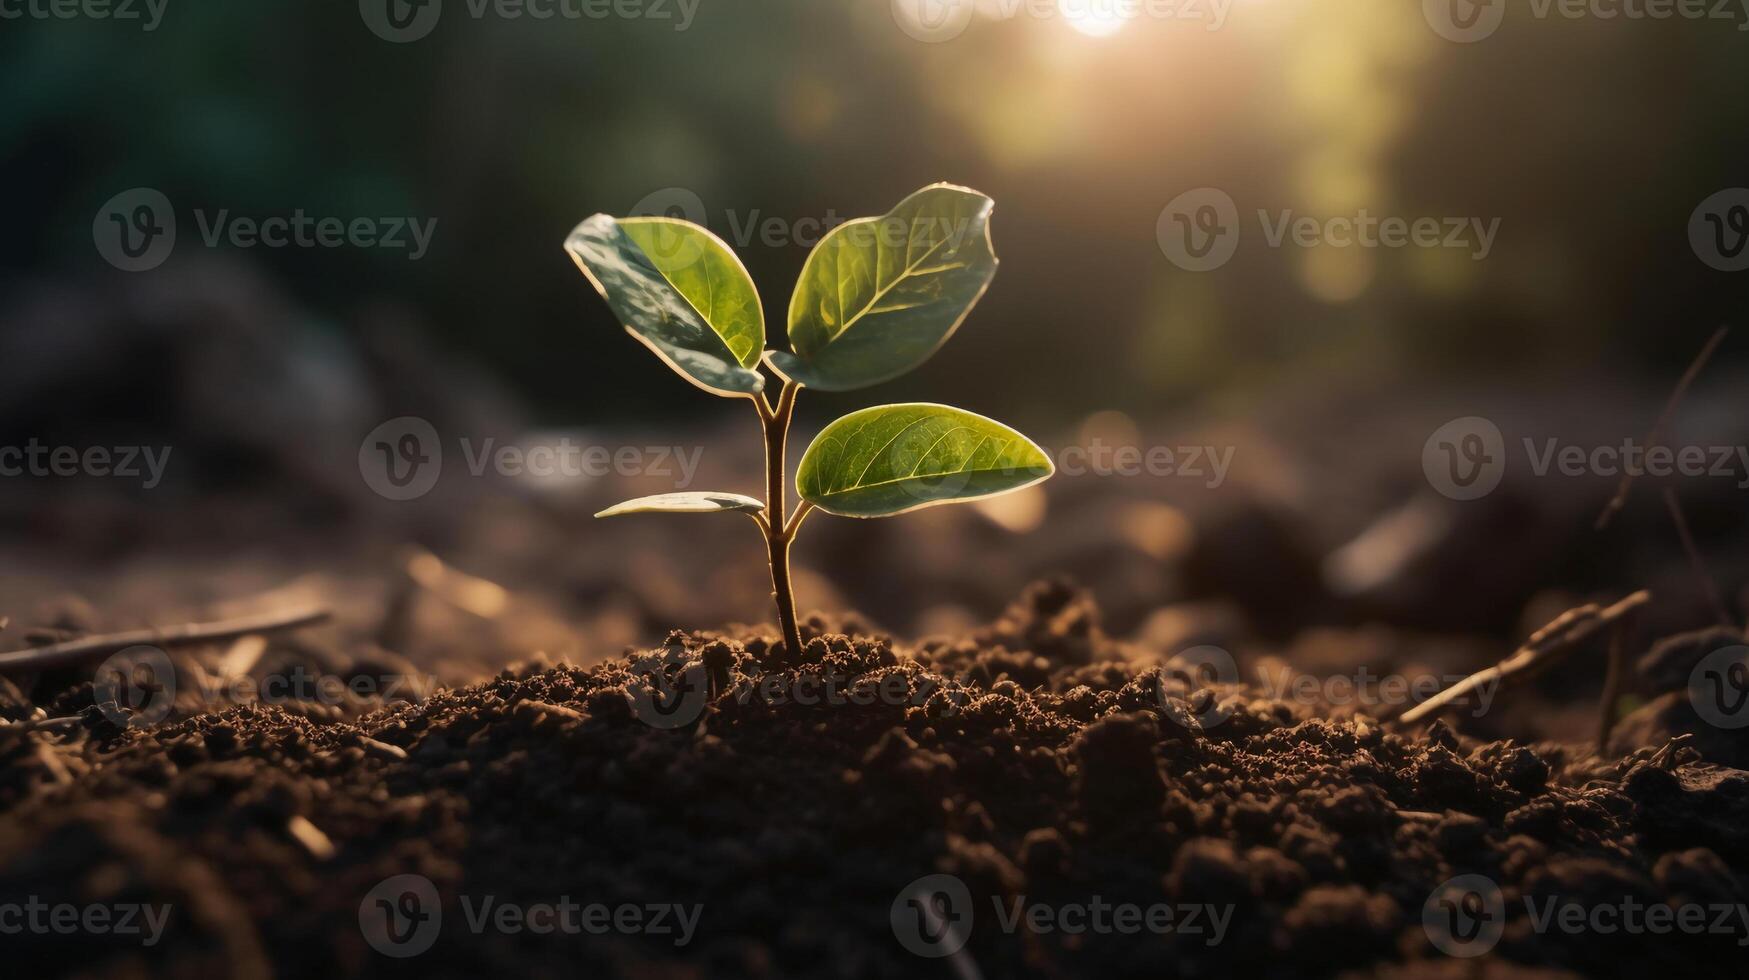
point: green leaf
(895, 458)
(879, 296)
(711, 277)
(688, 299)
(686, 503)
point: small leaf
(896, 458)
(689, 299)
(686, 503)
(879, 296)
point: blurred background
(1579, 160)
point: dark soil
(1033, 757)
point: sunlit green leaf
(895, 458)
(688, 300)
(711, 277)
(879, 296)
(709, 502)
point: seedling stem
(780, 531)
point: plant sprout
(877, 297)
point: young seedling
(877, 297)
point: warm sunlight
(1095, 18)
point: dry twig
(1545, 648)
(87, 648)
(1608, 708)
(1656, 436)
(1702, 578)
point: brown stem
(1656, 436)
(796, 519)
(1611, 701)
(1701, 577)
(89, 648)
(778, 531)
(1544, 648)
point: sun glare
(1095, 18)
